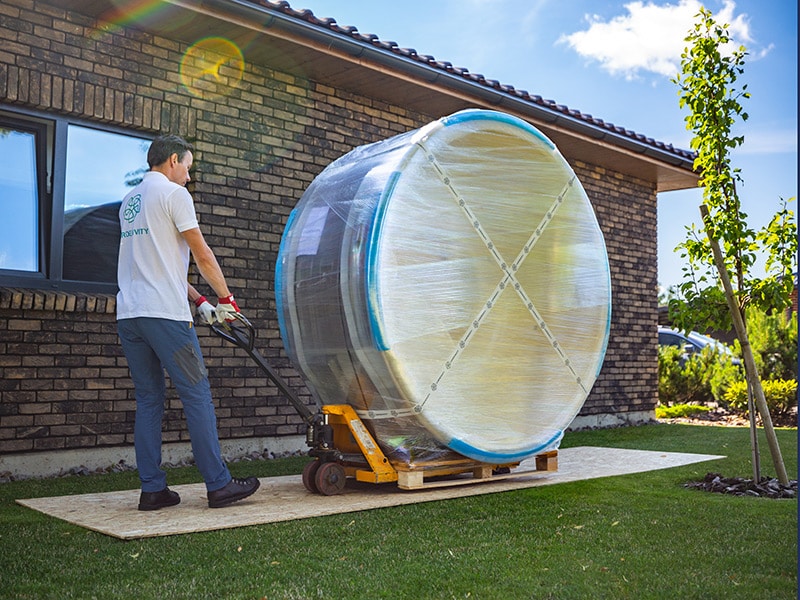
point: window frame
(51, 155)
(671, 339)
(41, 132)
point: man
(154, 321)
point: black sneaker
(156, 500)
(237, 489)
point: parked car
(693, 342)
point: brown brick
(16, 445)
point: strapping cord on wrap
(509, 278)
(388, 413)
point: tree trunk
(750, 368)
(751, 411)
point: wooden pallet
(419, 477)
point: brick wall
(627, 212)
(63, 379)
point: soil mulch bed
(739, 486)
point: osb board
(285, 498)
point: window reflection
(19, 201)
(101, 167)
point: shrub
(702, 378)
(774, 342)
(680, 410)
(781, 396)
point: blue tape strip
(608, 323)
(279, 281)
(500, 457)
(476, 114)
(374, 310)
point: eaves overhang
(273, 34)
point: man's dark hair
(165, 146)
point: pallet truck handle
(244, 338)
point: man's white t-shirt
(153, 255)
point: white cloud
(650, 37)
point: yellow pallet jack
(343, 447)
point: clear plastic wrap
(452, 285)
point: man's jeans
(152, 345)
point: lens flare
(141, 13)
(211, 67)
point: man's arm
(206, 263)
(210, 270)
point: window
(98, 175)
(20, 180)
(61, 184)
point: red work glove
(206, 310)
(225, 308)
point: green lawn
(637, 536)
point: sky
(615, 60)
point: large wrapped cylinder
(452, 285)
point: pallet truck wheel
(309, 476)
(330, 479)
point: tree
(718, 286)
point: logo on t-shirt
(132, 208)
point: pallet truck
(343, 447)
